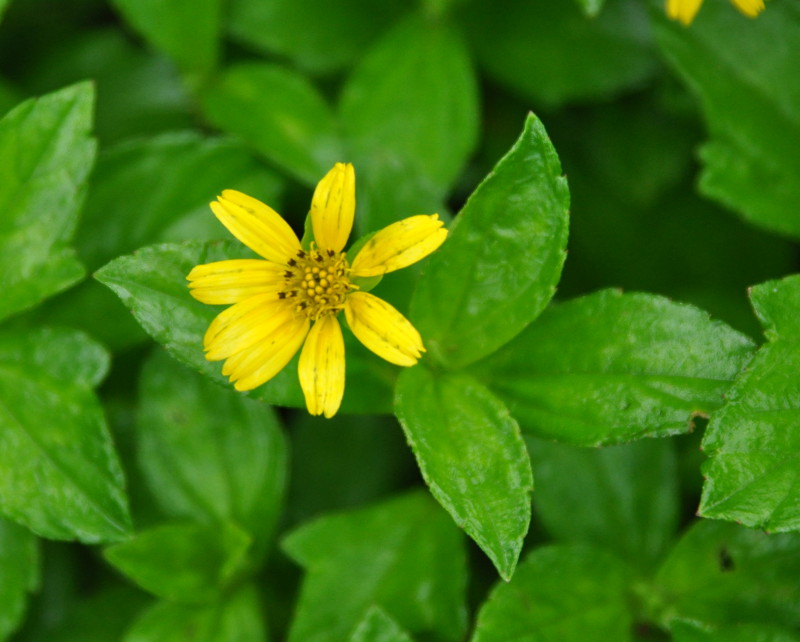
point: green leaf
(280, 114)
(591, 7)
(159, 189)
(19, 573)
(207, 453)
(414, 95)
(403, 555)
(63, 354)
(47, 154)
(564, 593)
(186, 30)
(377, 626)
(623, 498)
(501, 263)
(749, 90)
(103, 615)
(59, 473)
(721, 573)
(612, 367)
(685, 631)
(752, 442)
(139, 91)
(152, 285)
(184, 562)
(318, 36)
(550, 53)
(472, 457)
(236, 619)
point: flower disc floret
(318, 282)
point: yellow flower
(294, 296)
(685, 10)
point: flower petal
(383, 329)
(333, 207)
(683, 10)
(750, 8)
(399, 245)
(321, 367)
(258, 364)
(256, 225)
(244, 324)
(226, 282)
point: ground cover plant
(526, 368)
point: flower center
(318, 281)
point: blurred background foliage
(193, 96)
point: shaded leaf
(280, 114)
(403, 555)
(377, 626)
(753, 444)
(622, 498)
(208, 453)
(753, 575)
(319, 37)
(506, 248)
(19, 573)
(560, 593)
(472, 457)
(749, 90)
(685, 631)
(183, 562)
(236, 619)
(186, 30)
(549, 52)
(414, 96)
(612, 367)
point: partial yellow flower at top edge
(293, 296)
(685, 10)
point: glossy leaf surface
(500, 265)
(612, 367)
(472, 457)
(752, 476)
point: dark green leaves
(565, 593)
(403, 555)
(317, 36)
(500, 265)
(186, 30)
(208, 453)
(551, 53)
(413, 97)
(722, 573)
(752, 476)
(472, 457)
(47, 154)
(183, 562)
(612, 367)
(749, 90)
(19, 573)
(59, 441)
(280, 114)
(624, 498)
(237, 618)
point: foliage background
(142, 501)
